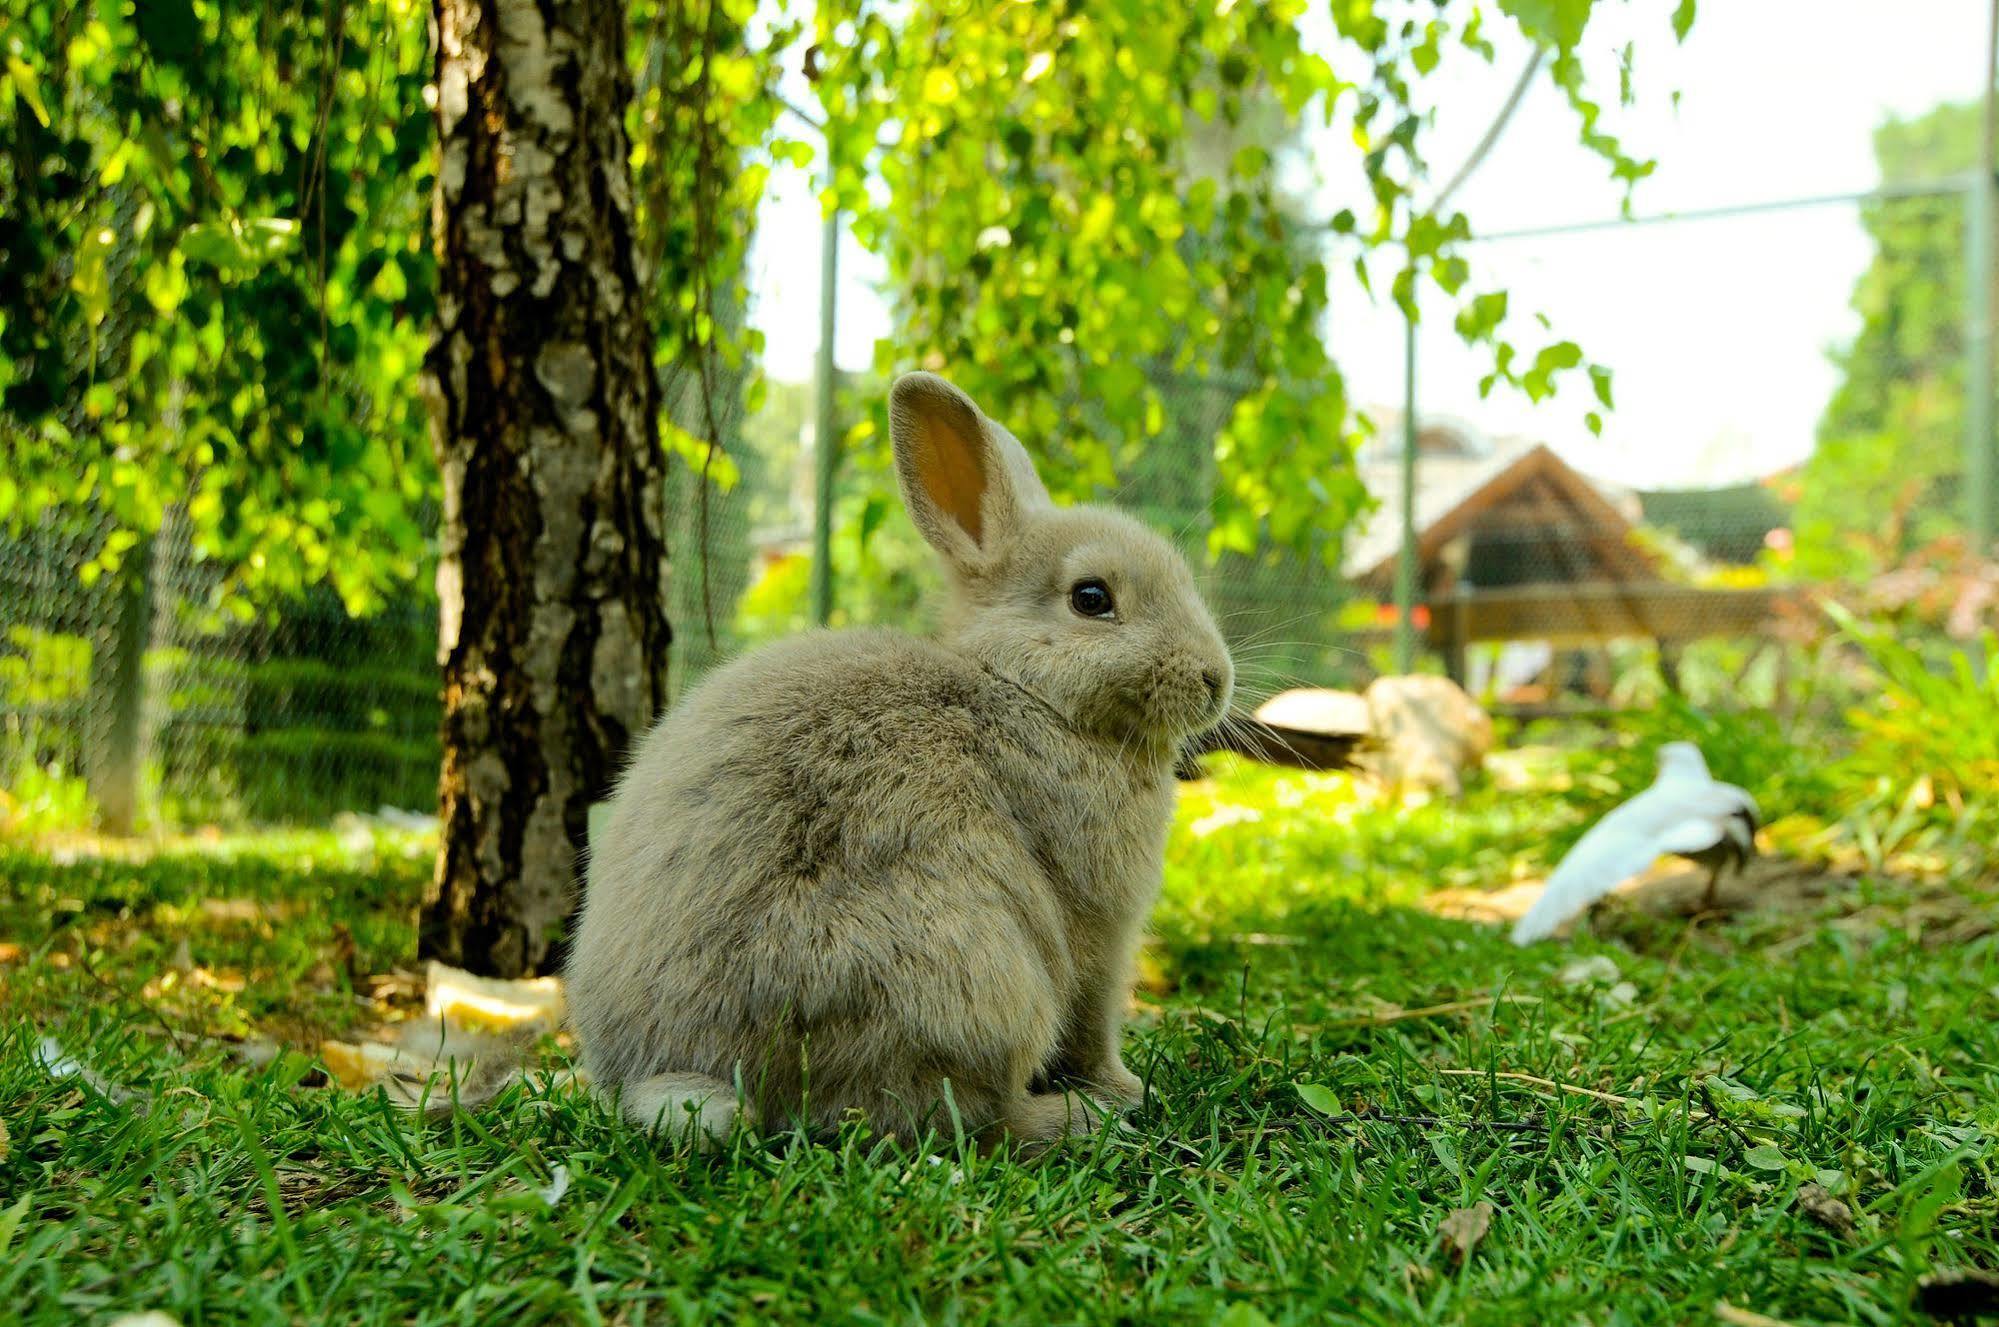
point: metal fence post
(1405, 562)
(1978, 368)
(825, 427)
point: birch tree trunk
(551, 578)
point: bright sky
(1716, 330)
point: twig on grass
(1380, 1016)
(1714, 1113)
(1438, 1122)
(1515, 1076)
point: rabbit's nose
(1213, 677)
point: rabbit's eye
(1091, 598)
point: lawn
(1345, 1087)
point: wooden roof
(1524, 517)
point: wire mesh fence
(1552, 568)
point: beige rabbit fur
(859, 870)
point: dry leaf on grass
(558, 1184)
(9, 951)
(492, 1004)
(432, 1065)
(474, 1041)
(1463, 1229)
(356, 1065)
(6, 1147)
(1596, 970)
(1736, 1317)
(1817, 1202)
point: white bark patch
(537, 206)
(533, 58)
(610, 291)
(450, 571)
(619, 190)
(450, 606)
(486, 783)
(605, 546)
(616, 670)
(548, 631)
(548, 864)
(451, 171)
(569, 373)
(561, 473)
(454, 95)
(489, 246)
(458, 354)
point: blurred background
(1669, 395)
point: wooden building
(1514, 544)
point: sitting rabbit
(863, 870)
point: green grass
(1854, 1044)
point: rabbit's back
(819, 848)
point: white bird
(1685, 812)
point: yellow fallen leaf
(357, 1065)
(492, 1004)
(5, 1147)
(1740, 1317)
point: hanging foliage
(1059, 227)
(218, 277)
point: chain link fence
(1544, 576)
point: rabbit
(863, 870)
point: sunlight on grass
(1338, 1078)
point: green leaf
(873, 512)
(940, 87)
(1599, 378)
(1561, 355)
(1557, 21)
(1479, 319)
(1251, 162)
(10, 1220)
(389, 283)
(1683, 19)
(1764, 1157)
(267, 238)
(1920, 1211)
(212, 242)
(1319, 1098)
(27, 87)
(1242, 1314)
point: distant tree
(1886, 475)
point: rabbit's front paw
(1119, 1086)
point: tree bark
(544, 406)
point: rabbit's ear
(965, 480)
